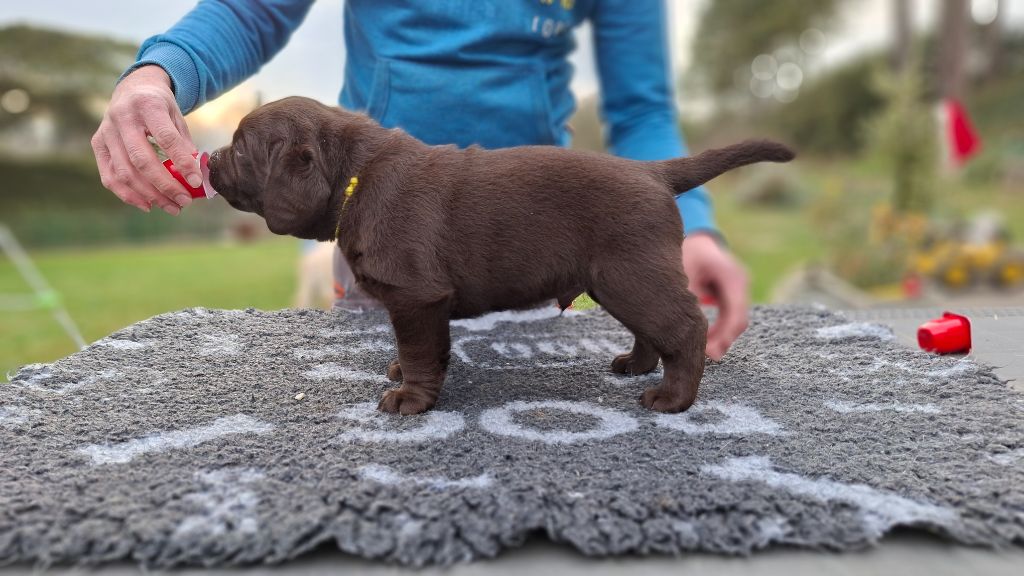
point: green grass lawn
(769, 242)
(107, 289)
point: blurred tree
(67, 77)
(992, 44)
(51, 60)
(953, 48)
(732, 33)
(829, 115)
(903, 137)
(902, 33)
(872, 252)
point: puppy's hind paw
(659, 399)
(405, 402)
(394, 371)
(629, 365)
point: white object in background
(44, 297)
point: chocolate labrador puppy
(438, 232)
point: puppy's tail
(682, 174)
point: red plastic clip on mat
(950, 334)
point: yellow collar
(349, 191)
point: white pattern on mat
(13, 415)
(490, 320)
(35, 381)
(541, 349)
(739, 419)
(333, 371)
(343, 349)
(437, 425)
(855, 330)
(388, 475)
(223, 345)
(120, 344)
(881, 511)
(957, 368)
(162, 441)
(225, 505)
(1008, 458)
(512, 349)
(337, 332)
(844, 407)
(623, 381)
(611, 423)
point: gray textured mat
(180, 440)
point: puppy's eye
(306, 155)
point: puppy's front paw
(404, 401)
(630, 365)
(660, 399)
(395, 371)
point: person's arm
(637, 98)
(637, 102)
(214, 47)
(220, 43)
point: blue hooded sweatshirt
(489, 72)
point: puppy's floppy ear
(296, 192)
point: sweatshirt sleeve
(637, 98)
(220, 43)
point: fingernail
(194, 180)
(183, 200)
(172, 210)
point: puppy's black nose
(215, 156)
(217, 173)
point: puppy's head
(283, 165)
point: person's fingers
(103, 163)
(698, 285)
(182, 126)
(126, 175)
(733, 312)
(172, 140)
(143, 103)
(140, 154)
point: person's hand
(143, 105)
(715, 273)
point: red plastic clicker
(205, 190)
(950, 334)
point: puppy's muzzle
(217, 170)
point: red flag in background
(961, 139)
